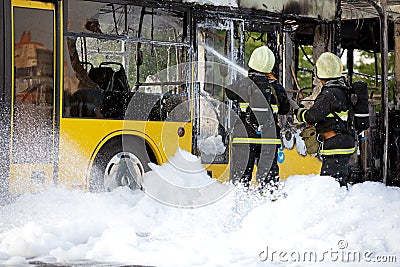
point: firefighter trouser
(336, 152)
(273, 174)
(336, 166)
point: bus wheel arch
(121, 161)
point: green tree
(365, 64)
(304, 75)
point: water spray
(231, 63)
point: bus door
(216, 54)
(33, 112)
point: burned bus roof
(322, 9)
(319, 9)
(364, 9)
(360, 25)
(313, 9)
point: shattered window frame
(129, 36)
(131, 45)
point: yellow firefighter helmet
(328, 66)
(262, 59)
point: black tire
(129, 145)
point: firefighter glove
(300, 114)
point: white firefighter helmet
(328, 66)
(262, 59)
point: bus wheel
(114, 166)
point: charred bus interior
(368, 43)
(364, 33)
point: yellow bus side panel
(295, 163)
(81, 139)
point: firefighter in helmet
(329, 115)
(260, 64)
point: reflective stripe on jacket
(337, 151)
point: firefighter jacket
(330, 109)
(330, 113)
(273, 92)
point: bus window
(135, 21)
(164, 25)
(103, 73)
(33, 86)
